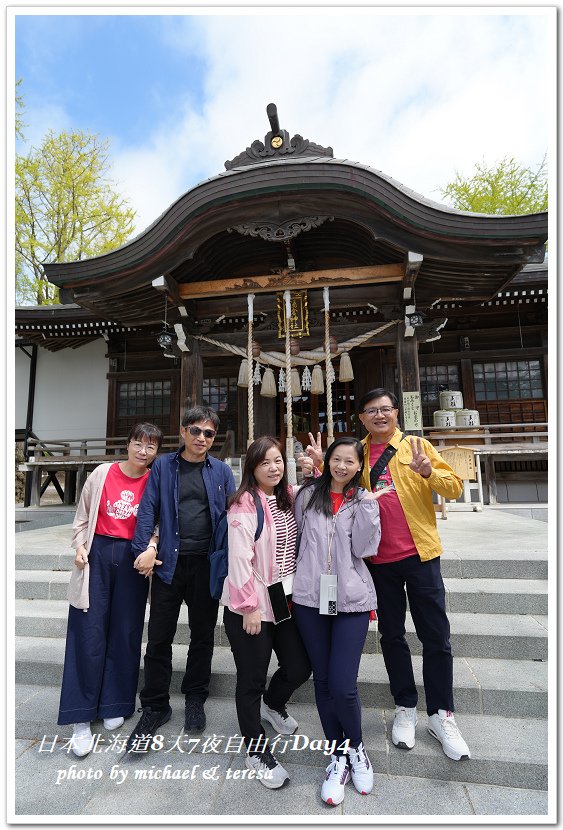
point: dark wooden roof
(368, 218)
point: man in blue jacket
(186, 492)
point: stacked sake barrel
(452, 413)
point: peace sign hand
(315, 450)
(420, 463)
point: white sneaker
(269, 771)
(362, 770)
(444, 728)
(283, 723)
(82, 739)
(337, 775)
(113, 723)
(403, 730)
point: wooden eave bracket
(413, 261)
(168, 285)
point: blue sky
(415, 93)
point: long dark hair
(255, 454)
(320, 499)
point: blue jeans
(427, 604)
(103, 644)
(334, 646)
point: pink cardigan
(251, 564)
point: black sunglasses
(209, 433)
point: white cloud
(416, 97)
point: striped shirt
(286, 535)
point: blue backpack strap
(259, 513)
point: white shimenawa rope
(291, 466)
(250, 300)
(328, 371)
(304, 358)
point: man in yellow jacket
(409, 558)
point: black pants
(427, 605)
(190, 584)
(252, 654)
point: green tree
(507, 188)
(66, 209)
(19, 113)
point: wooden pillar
(407, 365)
(467, 383)
(191, 377)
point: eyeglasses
(373, 410)
(196, 431)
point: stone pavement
(495, 570)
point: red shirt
(337, 501)
(119, 503)
(396, 539)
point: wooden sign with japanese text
(461, 460)
(412, 411)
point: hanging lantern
(294, 346)
(346, 373)
(295, 384)
(333, 344)
(257, 376)
(268, 388)
(255, 349)
(317, 382)
(243, 374)
(306, 379)
(281, 381)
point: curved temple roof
(323, 212)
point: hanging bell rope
(291, 468)
(328, 370)
(250, 300)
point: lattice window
(436, 379)
(507, 380)
(221, 395)
(144, 398)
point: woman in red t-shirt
(107, 611)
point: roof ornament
(277, 146)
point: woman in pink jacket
(105, 620)
(256, 594)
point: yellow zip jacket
(415, 492)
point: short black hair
(378, 393)
(200, 413)
(150, 432)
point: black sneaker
(195, 715)
(149, 722)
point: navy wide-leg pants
(103, 644)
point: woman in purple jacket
(333, 597)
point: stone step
(481, 686)
(489, 596)
(502, 636)
(507, 752)
(516, 564)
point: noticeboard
(461, 460)
(412, 411)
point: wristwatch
(152, 545)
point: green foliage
(66, 209)
(507, 189)
(19, 113)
